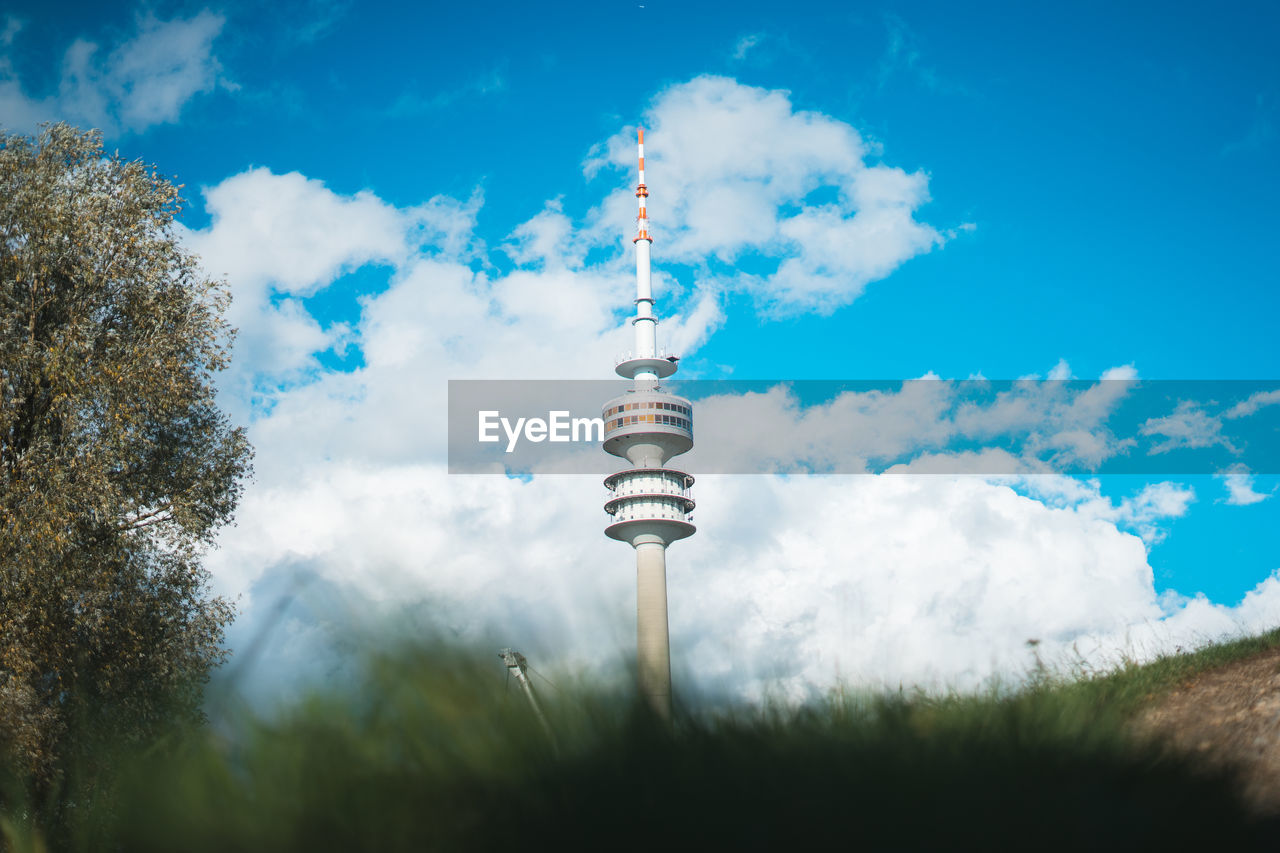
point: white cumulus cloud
(738, 171)
(143, 81)
(1240, 483)
(1188, 426)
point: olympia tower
(649, 503)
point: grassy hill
(426, 754)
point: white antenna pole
(645, 323)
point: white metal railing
(628, 356)
(678, 492)
(675, 515)
(649, 505)
(651, 482)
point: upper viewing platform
(648, 416)
(662, 365)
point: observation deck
(661, 365)
(648, 417)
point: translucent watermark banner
(914, 426)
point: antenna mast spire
(645, 322)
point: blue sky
(1091, 184)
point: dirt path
(1230, 714)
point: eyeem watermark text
(557, 427)
(1074, 427)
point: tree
(116, 465)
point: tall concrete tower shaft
(649, 503)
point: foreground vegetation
(117, 468)
(428, 753)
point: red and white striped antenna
(642, 193)
(645, 322)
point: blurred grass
(427, 753)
